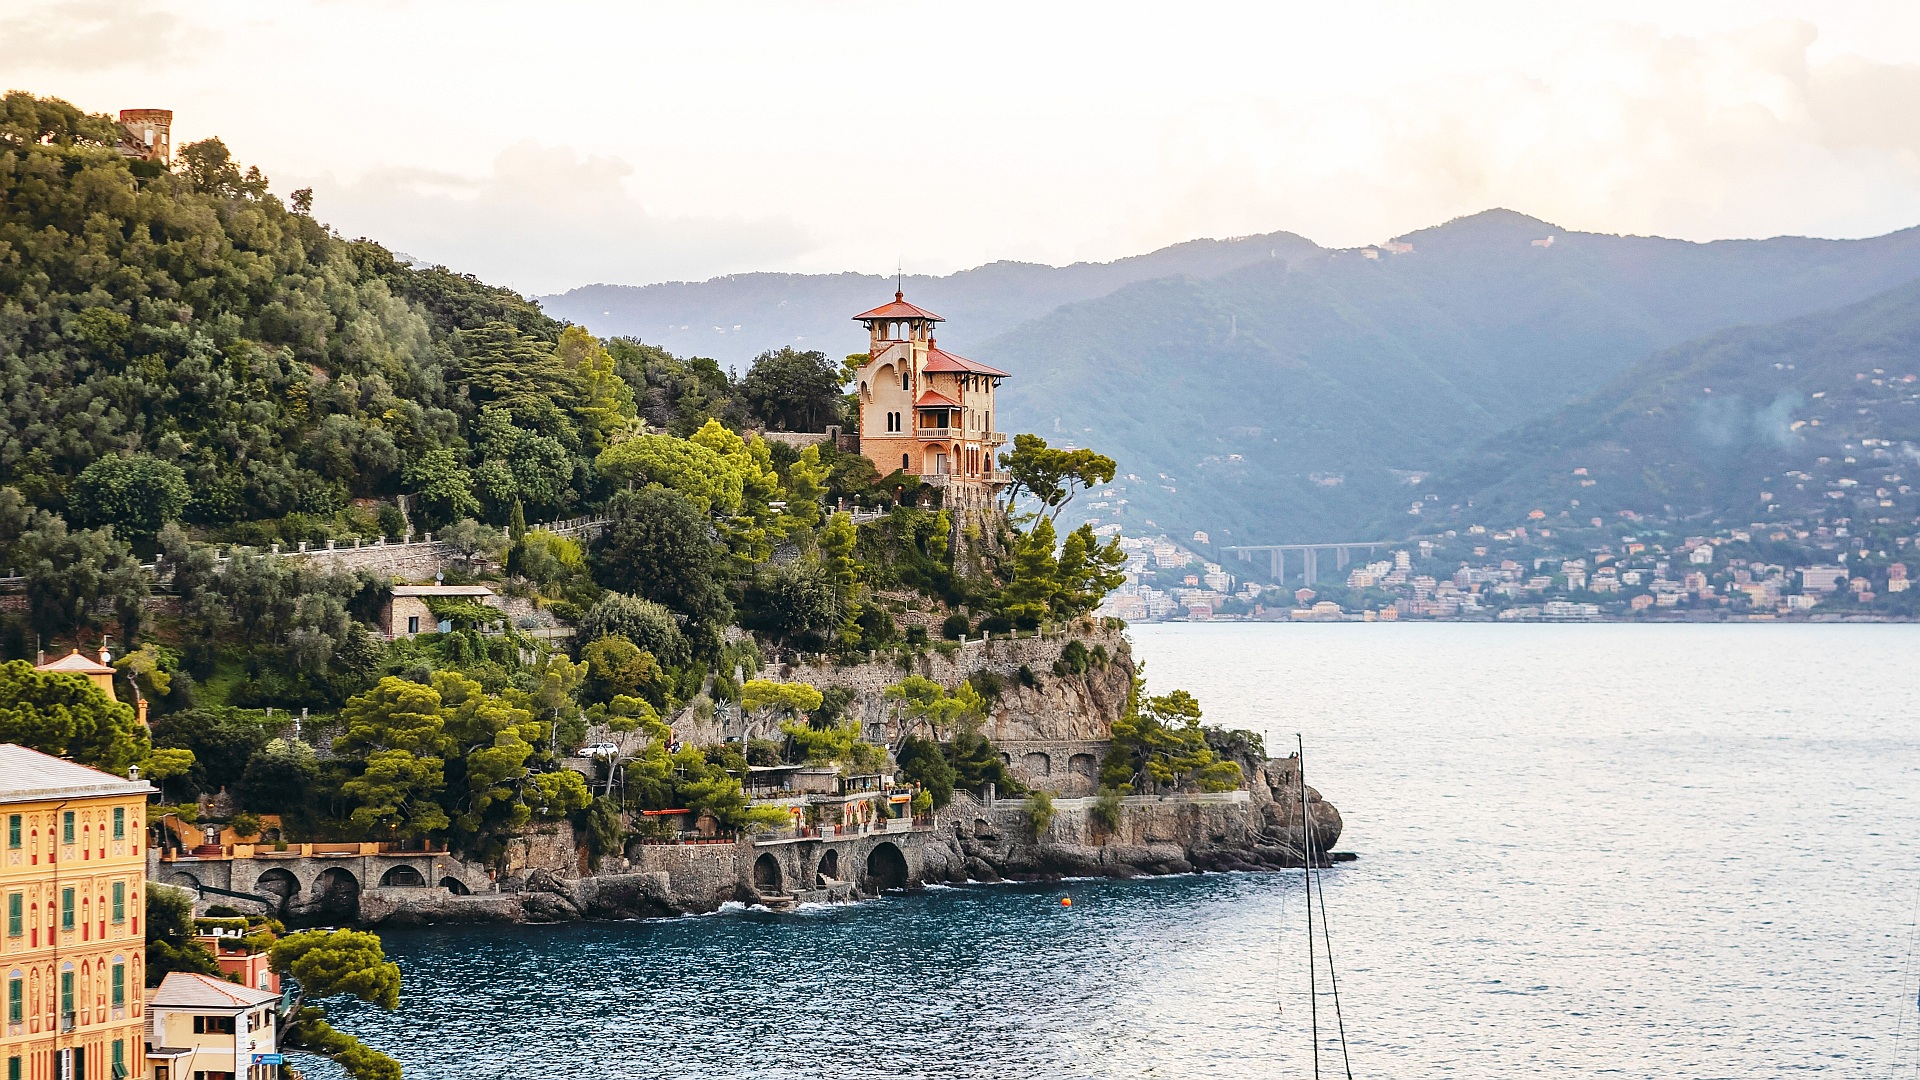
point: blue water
(1643, 851)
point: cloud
(545, 219)
(1626, 130)
(94, 35)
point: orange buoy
(1066, 901)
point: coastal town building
(925, 412)
(202, 1028)
(73, 877)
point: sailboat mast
(1306, 847)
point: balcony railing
(996, 437)
(937, 432)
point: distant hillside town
(1636, 568)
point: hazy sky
(555, 144)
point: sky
(545, 146)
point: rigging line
(1910, 994)
(1333, 979)
(1306, 847)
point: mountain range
(1269, 390)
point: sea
(1583, 850)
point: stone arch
(1083, 766)
(1036, 763)
(336, 892)
(886, 868)
(455, 886)
(829, 868)
(403, 876)
(278, 882)
(184, 880)
(767, 875)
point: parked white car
(599, 749)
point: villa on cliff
(927, 412)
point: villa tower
(926, 412)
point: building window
(119, 901)
(16, 1000)
(66, 827)
(16, 914)
(66, 993)
(13, 1069)
(119, 1070)
(13, 831)
(413, 624)
(66, 909)
(119, 823)
(903, 379)
(119, 985)
(903, 463)
(213, 1025)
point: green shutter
(66, 992)
(119, 985)
(119, 823)
(16, 914)
(119, 901)
(16, 1000)
(13, 836)
(66, 827)
(66, 909)
(13, 1068)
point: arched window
(904, 373)
(903, 463)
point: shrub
(1107, 809)
(1039, 813)
(956, 627)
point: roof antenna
(899, 278)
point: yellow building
(924, 411)
(72, 874)
(205, 1028)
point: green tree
(658, 546)
(332, 964)
(135, 493)
(72, 576)
(643, 622)
(706, 478)
(617, 667)
(806, 487)
(68, 716)
(171, 945)
(443, 488)
(1052, 476)
(280, 778)
(923, 762)
(606, 404)
(1158, 743)
(787, 390)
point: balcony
(996, 437)
(941, 434)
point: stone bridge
(313, 882)
(833, 867)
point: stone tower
(149, 135)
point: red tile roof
(899, 309)
(933, 399)
(939, 360)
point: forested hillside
(1306, 402)
(1818, 414)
